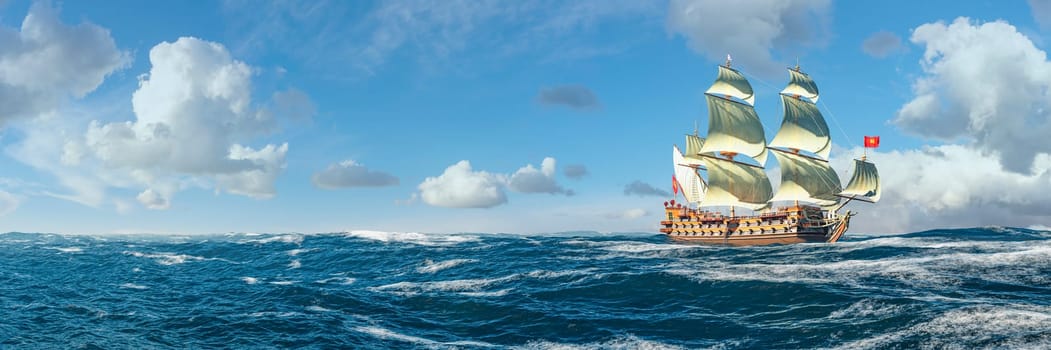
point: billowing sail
(864, 185)
(734, 127)
(735, 184)
(801, 84)
(693, 187)
(803, 128)
(806, 179)
(693, 150)
(731, 83)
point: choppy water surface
(975, 288)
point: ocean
(956, 289)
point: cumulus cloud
(193, 113)
(46, 61)
(750, 30)
(639, 188)
(350, 174)
(532, 180)
(462, 187)
(985, 83)
(950, 186)
(573, 96)
(575, 171)
(881, 44)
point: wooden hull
(798, 224)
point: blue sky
(203, 117)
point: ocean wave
(424, 239)
(133, 286)
(464, 285)
(432, 267)
(986, 326)
(291, 238)
(337, 280)
(629, 342)
(167, 258)
(295, 264)
(250, 280)
(386, 334)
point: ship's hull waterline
(798, 224)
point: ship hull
(798, 224)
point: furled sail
(735, 184)
(730, 82)
(864, 185)
(693, 187)
(800, 84)
(803, 128)
(734, 127)
(806, 179)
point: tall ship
(724, 172)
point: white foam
(466, 285)
(250, 280)
(432, 267)
(295, 252)
(338, 280)
(295, 264)
(293, 238)
(316, 308)
(133, 286)
(284, 283)
(867, 309)
(932, 270)
(285, 314)
(167, 258)
(425, 239)
(387, 334)
(629, 342)
(1009, 325)
(69, 249)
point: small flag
(674, 185)
(728, 59)
(871, 141)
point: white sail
(864, 185)
(734, 127)
(693, 150)
(803, 128)
(734, 184)
(800, 84)
(730, 82)
(806, 179)
(693, 187)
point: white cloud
(152, 200)
(639, 188)
(461, 187)
(750, 30)
(531, 180)
(193, 112)
(984, 83)
(350, 174)
(8, 203)
(45, 62)
(950, 186)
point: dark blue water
(975, 288)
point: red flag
(871, 141)
(674, 185)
